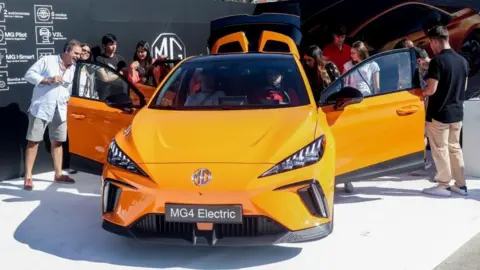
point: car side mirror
(120, 101)
(346, 96)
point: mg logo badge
(168, 44)
(201, 177)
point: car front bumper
(282, 210)
(256, 231)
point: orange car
(251, 158)
(463, 26)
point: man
(52, 77)
(338, 52)
(446, 84)
(208, 95)
(110, 58)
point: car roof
(239, 56)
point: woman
(86, 53)
(367, 77)
(87, 75)
(143, 69)
(321, 72)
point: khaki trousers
(446, 151)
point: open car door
(262, 33)
(102, 103)
(377, 118)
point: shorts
(57, 130)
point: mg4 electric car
(232, 148)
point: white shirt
(86, 84)
(47, 98)
(362, 78)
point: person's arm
(433, 76)
(34, 73)
(375, 70)
(333, 71)
(102, 73)
(376, 82)
(133, 74)
(122, 66)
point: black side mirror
(120, 101)
(346, 96)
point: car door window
(378, 75)
(95, 81)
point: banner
(30, 29)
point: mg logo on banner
(168, 44)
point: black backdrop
(31, 28)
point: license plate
(203, 213)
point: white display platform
(386, 224)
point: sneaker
(437, 191)
(459, 190)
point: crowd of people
(443, 79)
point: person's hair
(361, 49)
(320, 62)
(143, 44)
(339, 30)
(438, 32)
(401, 44)
(90, 58)
(420, 53)
(108, 38)
(70, 44)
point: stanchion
(471, 137)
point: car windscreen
(235, 83)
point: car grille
(154, 225)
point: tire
(349, 189)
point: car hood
(244, 136)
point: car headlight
(119, 159)
(306, 156)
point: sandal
(28, 185)
(64, 179)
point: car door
(382, 133)
(92, 124)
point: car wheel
(349, 188)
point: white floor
(386, 224)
